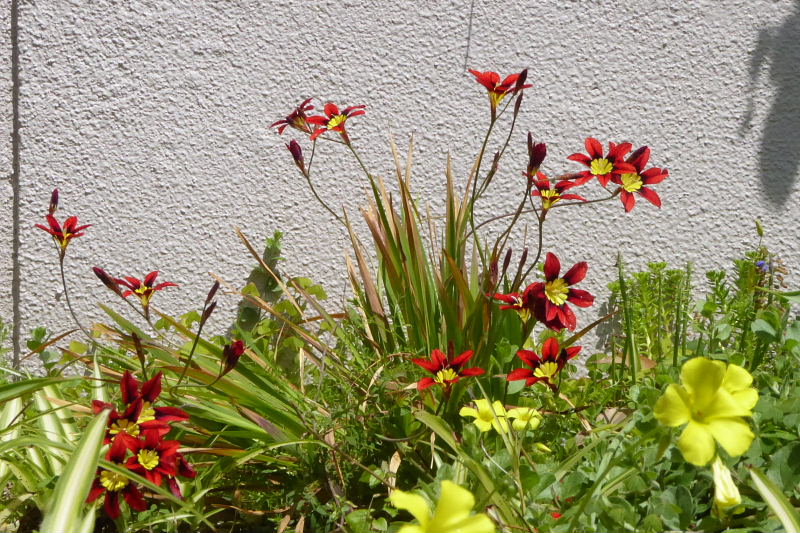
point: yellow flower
(726, 494)
(487, 416)
(524, 418)
(452, 514)
(711, 401)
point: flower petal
(697, 444)
(413, 503)
(552, 266)
(455, 504)
(733, 434)
(576, 273)
(672, 409)
(702, 378)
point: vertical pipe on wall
(15, 187)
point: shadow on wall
(779, 154)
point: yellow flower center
(631, 182)
(148, 459)
(486, 415)
(547, 370)
(445, 375)
(147, 413)
(556, 291)
(336, 121)
(113, 481)
(601, 167)
(124, 426)
(549, 198)
(495, 98)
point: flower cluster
(495, 415)
(137, 443)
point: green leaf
(776, 500)
(20, 388)
(66, 503)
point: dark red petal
(651, 196)
(519, 373)
(653, 175)
(572, 351)
(438, 357)
(165, 284)
(573, 197)
(424, 383)
(529, 357)
(550, 349)
(331, 109)
(427, 364)
(581, 158)
(576, 273)
(621, 167)
(170, 414)
(129, 387)
(318, 120)
(185, 468)
(118, 449)
(150, 278)
(463, 358)
(580, 298)
(95, 492)
(474, 371)
(317, 133)
(627, 200)
(551, 310)
(639, 158)
(603, 179)
(134, 498)
(569, 320)
(111, 505)
(152, 388)
(552, 266)
(594, 148)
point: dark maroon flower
(445, 371)
(548, 299)
(545, 368)
(296, 119)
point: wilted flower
(452, 513)
(548, 299)
(107, 280)
(53, 202)
(297, 155)
(711, 400)
(334, 120)
(487, 416)
(231, 354)
(544, 368)
(536, 154)
(445, 371)
(296, 119)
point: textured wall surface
(152, 119)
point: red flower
(536, 154)
(154, 458)
(63, 234)
(231, 354)
(499, 89)
(295, 119)
(551, 195)
(143, 289)
(515, 301)
(445, 371)
(603, 167)
(634, 182)
(184, 470)
(546, 367)
(548, 299)
(334, 120)
(114, 484)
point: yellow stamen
(124, 426)
(336, 121)
(113, 481)
(148, 459)
(601, 167)
(549, 198)
(547, 370)
(443, 376)
(556, 291)
(147, 413)
(631, 182)
(496, 98)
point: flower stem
(69, 304)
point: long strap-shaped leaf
(776, 500)
(64, 512)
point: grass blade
(776, 500)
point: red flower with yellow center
(143, 290)
(154, 458)
(295, 119)
(446, 371)
(63, 234)
(499, 89)
(637, 181)
(334, 120)
(603, 167)
(551, 194)
(545, 368)
(548, 299)
(515, 301)
(114, 484)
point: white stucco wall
(151, 118)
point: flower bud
(726, 494)
(521, 80)
(297, 155)
(536, 154)
(231, 354)
(53, 202)
(107, 280)
(212, 292)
